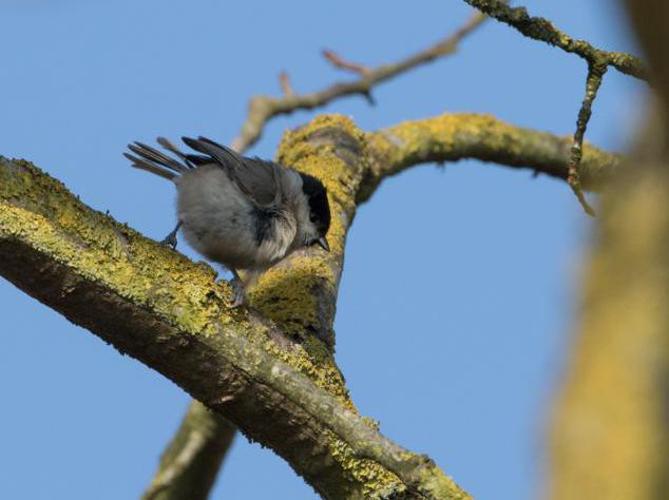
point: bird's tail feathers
(150, 159)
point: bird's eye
(312, 218)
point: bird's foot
(239, 290)
(171, 239)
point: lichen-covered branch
(453, 137)
(598, 61)
(274, 364)
(543, 30)
(610, 433)
(611, 419)
(176, 319)
(592, 84)
(263, 108)
(190, 464)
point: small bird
(245, 213)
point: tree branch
(190, 464)
(592, 84)
(598, 61)
(611, 418)
(263, 108)
(157, 306)
(453, 137)
(543, 30)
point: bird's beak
(323, 243)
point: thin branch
(543, 30)
(339, 62)
(263, 108)
(284, 83)
(593, 82)
(598, 61)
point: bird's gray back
(222, 223)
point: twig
(543, 30)
(593, 82)
(339, 62)
(263, 108)
(284, 82)
(598, 61)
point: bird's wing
(256, 178)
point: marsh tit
(245, 213)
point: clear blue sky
(460, 284)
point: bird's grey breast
(224, 224)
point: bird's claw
(239, 297)
(170, 240)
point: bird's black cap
(318, 202)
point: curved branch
(169, 313)
(453, 137)
(261, 110)
(543, 30)
(264, 108)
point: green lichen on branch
(453, 137)
(543, 30)
(593, 82)
(598, 61)
(247, 368)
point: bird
(245, 213)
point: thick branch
(264, 108)
(611, 419)
(543, 30)
(169, 313)
(190, 464)
(176, 320)
(453, 137)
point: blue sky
(460, 284)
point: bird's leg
(171, 239)
(240, 285)
(239, 288)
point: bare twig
(593, 82)
(284, 82)
(598, 61)
(339, 62)
(543, 30)
(263, 108)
